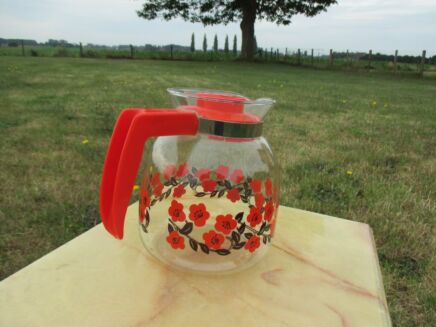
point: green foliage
(17, 42)
(353, 61)
(235, 46)
(215, 43)
(192, 42)
(58, 43)
(383, 57)
(61, 52)
(204, 43)
(212, 12)
(89, 53)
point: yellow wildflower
(374, 104)
(135, 187)
(85, 141)
(349, 172)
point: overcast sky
(381, 25)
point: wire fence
(317, 58)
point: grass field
(353, 145)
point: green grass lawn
(357, 146)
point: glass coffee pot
(209, 191)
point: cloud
(372, 10)
(383, 25)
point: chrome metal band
(228, 129)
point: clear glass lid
(221, 105)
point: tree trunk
(247, 28)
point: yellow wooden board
(320, 271)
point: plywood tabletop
(320, 271)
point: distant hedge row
(353, 61)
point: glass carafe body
(208, 202)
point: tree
(215, 43)
(212, 12)
(226, 44)
(193, 43)
(204, 43)
(235, 46)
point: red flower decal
(179, 191)
(143, 204)
(175, 240)
(157, 190)
(225, 224)
(259, 200)
(254, 217)
(176, 211)
(213, 239)
(253, 243)
(222, 172)
(269, 211)
(268, 187)
(208, 185)
(156, 184)
(233, 195)
(203, 174)
(182, 171)
(237, 176)
(198, 214)
(256, 185)
(155, 180)
(169, 171)
(145, 198)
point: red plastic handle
(132, 129)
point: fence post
(311, 57)
(298, 57)
(396, 60)
(22, 48)
(331, 57)
(81, 50)
(131, 51)
(271, 54)
(422, 62)
(348, 58)
(286, 52)
(369, 59)
(171, 49)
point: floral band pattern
(248, 234)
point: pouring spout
(260, 107)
